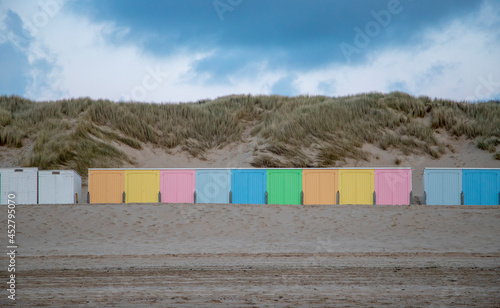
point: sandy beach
(180, 255)
(104, 105)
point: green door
(284, 186)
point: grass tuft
(302, 131)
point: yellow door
(142, 186)
(356, 186)
(106, 186)
(320, 186)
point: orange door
(320, 186)
(106, 186)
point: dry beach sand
(180, 255)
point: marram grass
(303, 131)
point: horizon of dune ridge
(270, 131)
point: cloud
(72, 55)
(451, 62)
(3, 28)
(85, 64)
(78, 60)
(285, 86)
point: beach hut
(356, 186)
(284, 186)
(20, 183)
(481, 186)
(320, 186)
(248, 186)
(59, 187)
(443, 186)
(106, 186)
(393, 186)
(177, 185)
(213, 185)
(142, 186)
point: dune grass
(303, 131)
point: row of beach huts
(393, 186)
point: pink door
(393, 186)
(177, 186)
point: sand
(255, 255)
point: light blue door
(443, 186)
(481, 187)
(213, 185)
(248, 186)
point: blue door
(248, 186)
(481, 186)
(443, 186)
(213, 185)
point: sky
(170, 51)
